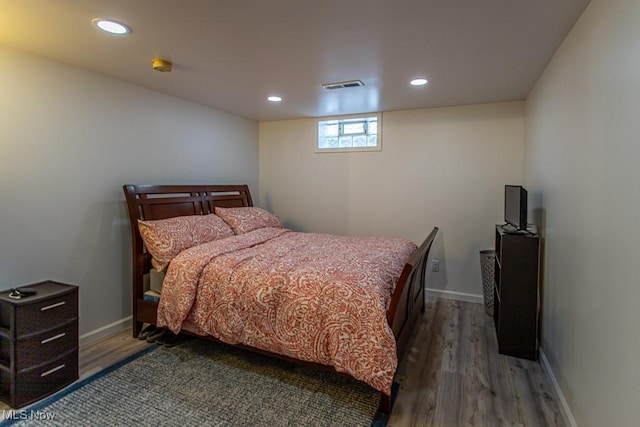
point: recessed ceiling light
(274, 98)
(418, 82)
(111, 26)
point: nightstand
(38, 342)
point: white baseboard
(459, 296)
(564, 406)
(105, 331)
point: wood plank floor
(452, 375)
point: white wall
(582, 167)
(69, 140)
(438, 167)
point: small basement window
(349, 133)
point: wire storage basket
(486, 267)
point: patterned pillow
(243, 220)
(166, 238)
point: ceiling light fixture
(274, 98)
(111, 26)
(419, 82)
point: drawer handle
(49, 307)
(51, 371)
(53, 338)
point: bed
(369, 295)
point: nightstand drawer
(42, 347)
(38, 382)
(42, 315)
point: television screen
(515, 206)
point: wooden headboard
(165, 201)
(151, 202)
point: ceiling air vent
(343, 85)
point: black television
(515, 206)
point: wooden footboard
(150, 202)
(408, 302)
(408, 299)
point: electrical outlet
(435, 265)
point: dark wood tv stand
(516, 293)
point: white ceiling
(232, 54)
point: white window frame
(378, 147)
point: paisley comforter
(313, 297)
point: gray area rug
(208, 384)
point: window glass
(351, 133)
